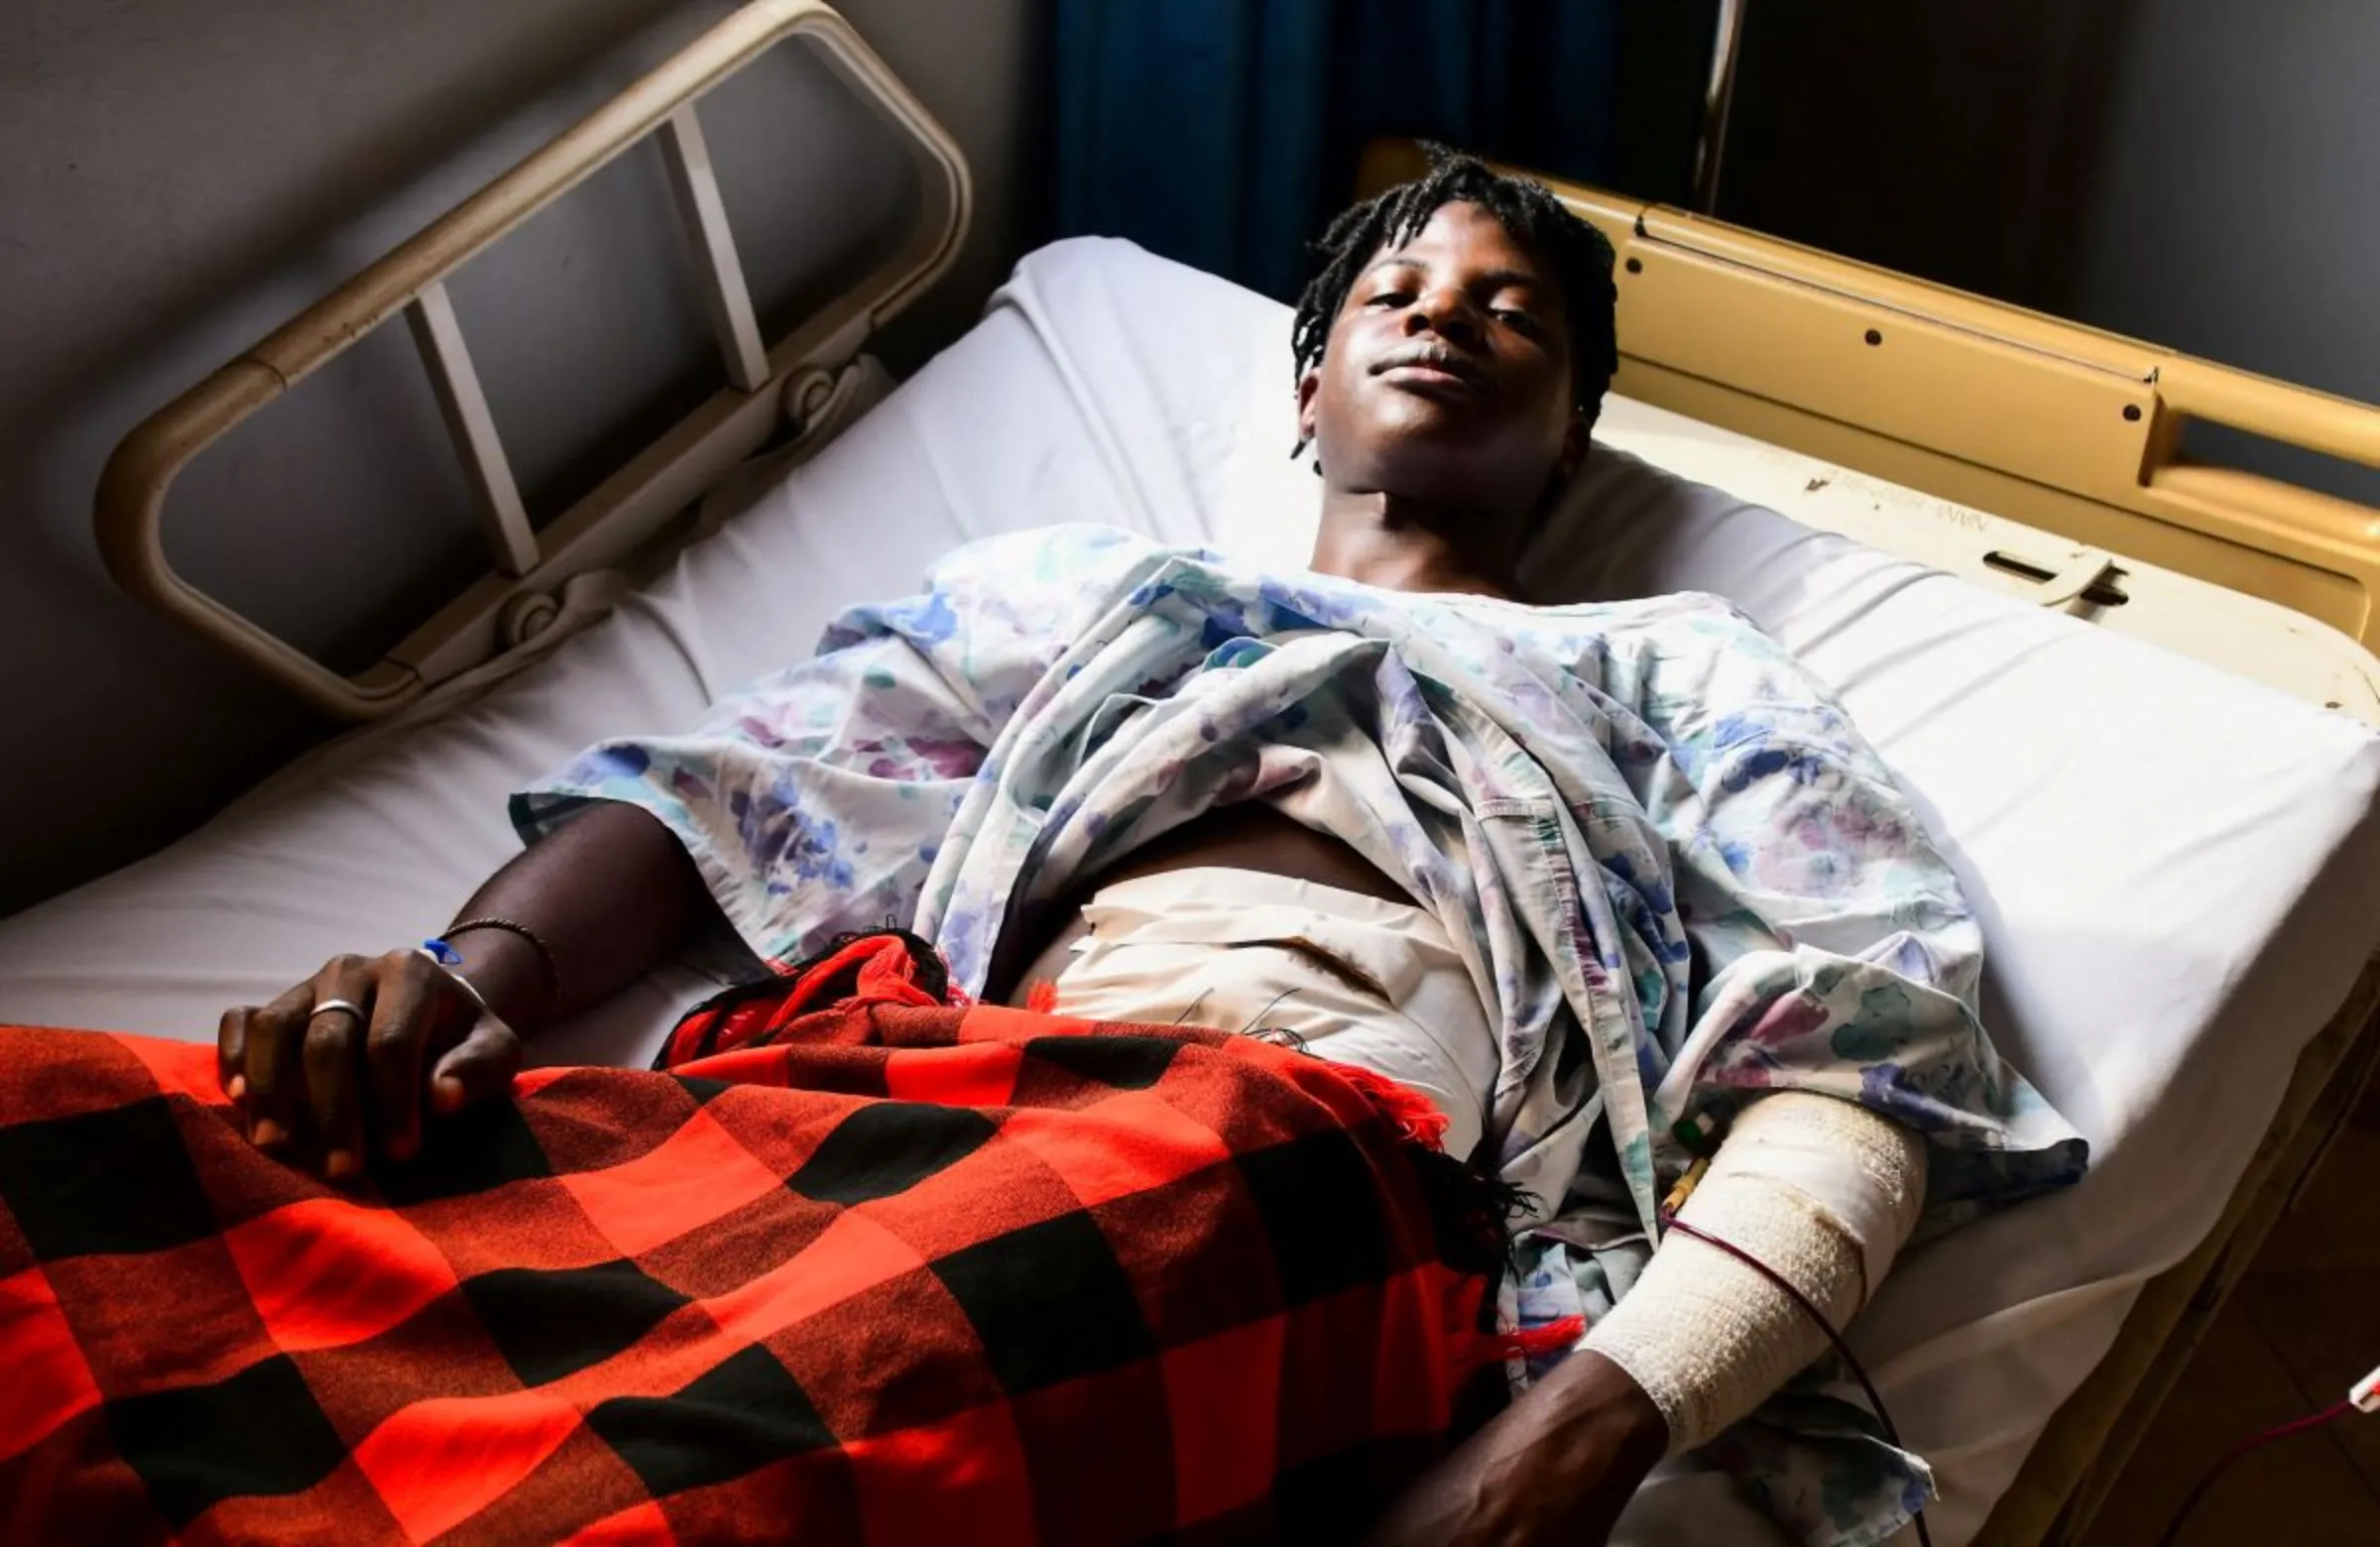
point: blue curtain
(1224, 133)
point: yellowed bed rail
(627, 509)
(2044, 421)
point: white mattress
(2177, 871)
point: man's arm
(610, 894)
(1558, 1465)
(1834, 965)
(817, 798)
(1820, 1192)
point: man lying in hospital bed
(1615, 887)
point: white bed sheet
(2177, 871)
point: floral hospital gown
(1677, 874)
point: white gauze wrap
(1822, 1191)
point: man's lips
(1430, 365)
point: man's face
(1447, 377)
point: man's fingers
(333, 1065)
(273, 1038)
(340, 1058)
(482, 1064)
(333, 1103)
(405, 1016)
(232, 1051)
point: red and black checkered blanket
(860, 1266)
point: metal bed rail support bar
(726, 299)
(439, 334)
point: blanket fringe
(1558, 1335)
(1474, 1210)
(1414, 1114)
(1553, 1337)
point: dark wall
(1665, 52)
(1948, 139)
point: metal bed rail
(504, 608)
(2045, 421)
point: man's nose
(1446, 310)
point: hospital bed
(2132, 697)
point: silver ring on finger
(349, 1006)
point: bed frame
(2070, 438)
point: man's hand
(609, 894)
(1556, 1467)
(312, 1079)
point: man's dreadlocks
(1524, 207)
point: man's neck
(1405, 545)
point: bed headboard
(2007, 411)
(795, 376)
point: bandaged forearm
(1822, 1191)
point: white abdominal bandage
(1821, 1191)
(1359, 980)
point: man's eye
(1515, 318)
(1388, 298)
